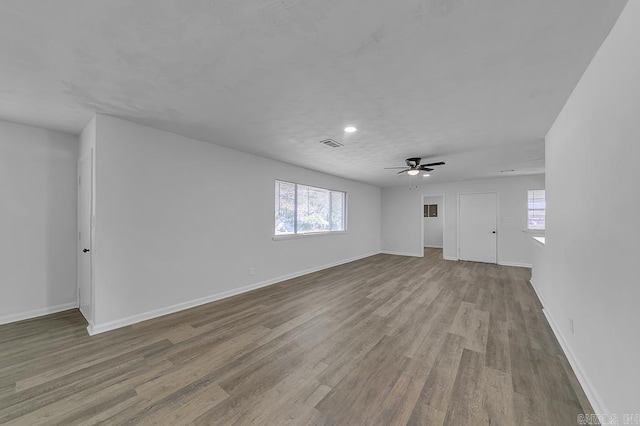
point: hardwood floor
(384, 340)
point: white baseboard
(433, 246)
(516, 264)
(537, 292)
(37, 313)
(112, 325)
(401, 253)
(592, 395)
(454, 258)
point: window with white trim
(537, 206)
(303, 209)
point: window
(537, 207)
(302, 209)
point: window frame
(297, 234)
(536, 230)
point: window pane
(537, 209)
(536, 223)
(285, 208)
(313, 209)
(303, 209)
(337, 211)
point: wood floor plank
(426, 415)
(185, 411)
(466, 406)
(498, 356)
(383, 340)
(498, 397)
(473, 325)
(91, 402)
(344, 405)
(436, 392)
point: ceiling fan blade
(425, 169)
(441, 163)
(389, 168)
(402, 171)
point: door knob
(85, 250)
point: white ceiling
(474, 83)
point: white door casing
(478, 227)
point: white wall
(433, 225)
(37, 221)
(593, 225)
(402, 216)
(538, 270)
(179, 220)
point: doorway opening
(433, 224)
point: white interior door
(477, 231)
(85, 212)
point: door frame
(444, 220)
(497, 221)
(80, 255)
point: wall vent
(331, 143)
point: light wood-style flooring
(384, 340)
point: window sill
(307, 235)
(538, 232)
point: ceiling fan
(414, 167)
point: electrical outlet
(251, 271)
(571, 325)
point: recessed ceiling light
(350, 129)
(426, 175)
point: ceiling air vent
(331, 143)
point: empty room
(420, 212)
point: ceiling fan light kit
(413, 167)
